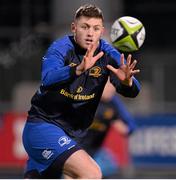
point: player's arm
(124, 114)
(121, 127)
(121, 72)
(54, 72)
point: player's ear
(73, 27)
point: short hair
(89, 10)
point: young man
(74, 72)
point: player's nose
(90, 32)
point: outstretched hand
(88, 60)
(125, 71)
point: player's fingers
(85, 58)
(98, 56)
(129, 59)
(94, 47)
(88, 51)
(133, 64)
(111, 68)
(91, 50)
(135, 72)
(122, 59)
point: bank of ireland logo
(64, 140)
(80, 89)
(95, 71)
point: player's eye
(84, 27)
(96, 28)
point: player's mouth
(89, 41)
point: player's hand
(120, 127)
(126, 71)
(88, 60)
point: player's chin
(88, 44)
(85, 45)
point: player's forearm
(124, 114)
(129, 91)
(59, 76)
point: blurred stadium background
(26, 29)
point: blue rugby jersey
(68, 100)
